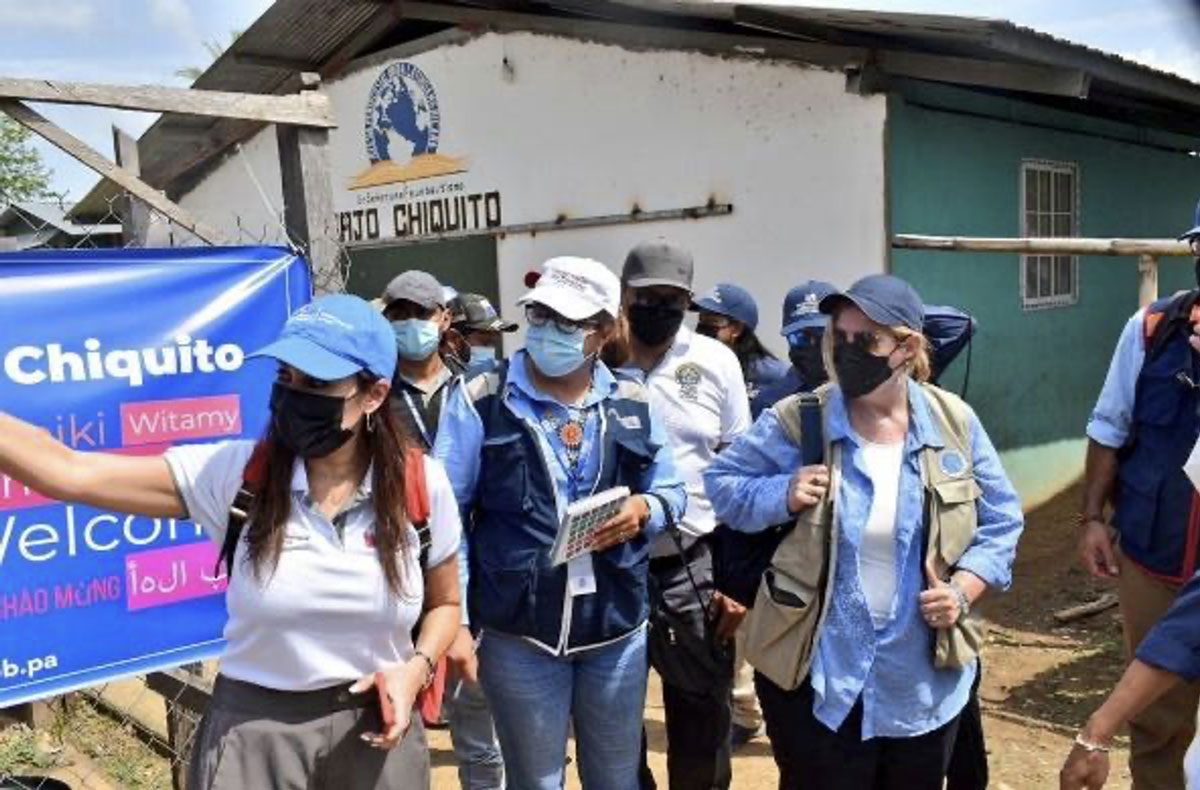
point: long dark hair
(749, 349)
(385, 445)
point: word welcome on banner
(125, 351)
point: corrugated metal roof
(324, 35)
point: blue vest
(1155, 511)
(513, 588)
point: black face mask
(809, 364)
(654, 324)
(308, 424)
(858, 370)
(708, 330)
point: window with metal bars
(1049, 209)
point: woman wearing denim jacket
(874, 712)
(565, 643)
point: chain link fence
(135, 732)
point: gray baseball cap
(417, 287)
(658, 262)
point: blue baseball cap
(802, 306)
(732, 302)
(336, 336)
(885, 299)
(1195, 231)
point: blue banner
(127, 351)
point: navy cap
(336, 336)
(1195, 231)
(732, 302)
(802, 306)
(885, 299)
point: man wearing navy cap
(1142, 430)
(729, 314)
(803, 327)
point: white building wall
(569, 128)
(230, 200)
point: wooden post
(135, 215)
(1147, 279)
(308, 198)
(81, 151)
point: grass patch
(21, 752)
(116, 748)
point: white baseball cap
(576, 288)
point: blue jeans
(480, 766)
(534, 695)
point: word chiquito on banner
(128, 351)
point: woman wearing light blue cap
(327, 581)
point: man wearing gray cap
(696, 386)
(415, 304)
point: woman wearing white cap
(562, 643)
(326, 581)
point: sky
(146, 41)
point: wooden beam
(1069, 246)
(135, 215)
(639, 37)
(305, 109)
(80, 150)
(1072, 83)
(266, 61)
(308, 201)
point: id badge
(581, 578)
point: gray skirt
(254, 737)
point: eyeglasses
(540, 315)
(802, 338)
(871, 341)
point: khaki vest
(793, 597)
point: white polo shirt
(326, 616)
(699, 393)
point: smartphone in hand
(387, 711)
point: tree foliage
(23, 176)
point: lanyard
(416, 413)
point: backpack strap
(416, 499)
(788, 412)
(254, 475)
(1166, 317)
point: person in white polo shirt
(326, 578)
(696, 386)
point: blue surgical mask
(481, 354)
(416, 338)
(555, 352)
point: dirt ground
(1040, 682)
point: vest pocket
(781, 627)
(502, 474)
(957, 517)
(503, 595)
(1137, 503)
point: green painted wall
(1034, 374)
